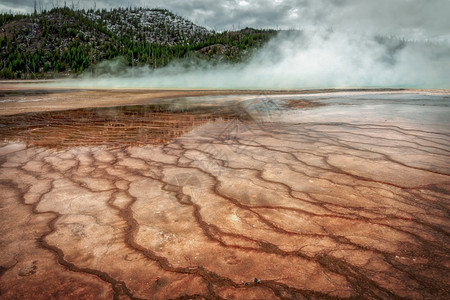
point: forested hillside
(64, 41)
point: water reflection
(113, 126)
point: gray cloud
(413, 19)
(336, 49)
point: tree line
(64, 41)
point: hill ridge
(65, 41)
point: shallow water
(112, 126)
(407, 108)
(249, 197)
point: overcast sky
(413, 19)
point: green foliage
(71, 41)
(7, 18)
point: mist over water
(296, 60)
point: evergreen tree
(63, 39)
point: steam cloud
(295, 60)
(312, 58)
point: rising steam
(299, 59)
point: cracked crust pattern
(230, 208)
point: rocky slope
(68, 41)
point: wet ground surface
(259, 197)
(114, 126)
